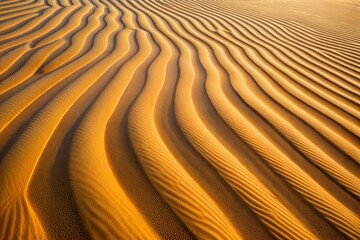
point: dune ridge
(179, 119)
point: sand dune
(179, 119)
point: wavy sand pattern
(179, 119)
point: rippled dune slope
(179, 119)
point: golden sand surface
(181, 119)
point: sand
(179, 119)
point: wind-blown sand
(179, 119)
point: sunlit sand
(179, 119)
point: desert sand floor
(179, 119)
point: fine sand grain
(181, 119)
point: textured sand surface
(179, 119)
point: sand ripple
(179, 119)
